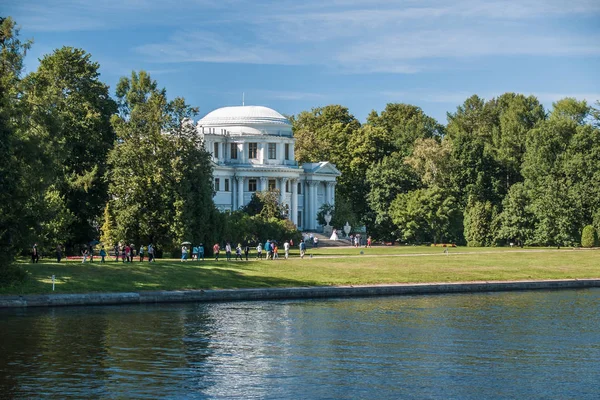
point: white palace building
(252, 149)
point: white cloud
(351, 36)
(459, 96)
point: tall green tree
(517, 115)
(427, 215)
(160, 175)
(515, 222)
(70, 110)
(476, 172)
(561, 174)
(325, 134)
(405, 123)
(479, 224)
(387, 179)
(14, 189)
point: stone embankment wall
(286, 293)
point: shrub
(588, 236)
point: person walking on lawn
(216, 250)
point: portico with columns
(252, 150)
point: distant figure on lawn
(35, 254)
(286, 248)
(201, 252)
(216, 250)
(184, 253)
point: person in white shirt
(286, 248)
(259, 251)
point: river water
(538, 344)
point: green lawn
(328, 266)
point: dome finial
(243, 98)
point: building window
(216, 150)
(299, 218)
(299, 187)
(234, 151)
(272, 151)
(253, 150)
(252, 185)
(272, 184)
(287, 151)
(227, 185)
(287, 186)
(217, 185)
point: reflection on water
(497, 345)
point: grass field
(327, 266)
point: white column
(294, 201)
(262, 148)
(329, 189)
(280, 153)
(263, 184)
(282, 182)
(332, 193)
(240, 191)
(233, 191)
(313, 204)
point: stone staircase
(324, 241)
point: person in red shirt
(216, 249)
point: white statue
(327, 228)
(327, 218)
(347, 228)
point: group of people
(197, 252)
(270, 248)
(128, 252)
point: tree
(426, 215)
(324, 133)
(70, 110)
(161, 176)
(515, 221)
(517, 115)
(14, 171)
(405, 124)
(588, 236)
(431, 160)
(479, 224)
(387, 179)
(476, 172)
(560, 168)
(266, 205)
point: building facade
(252, 149)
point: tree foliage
(69, 121)
(502, 170)
(160, 175)
(15, 159)
(266, 205)
(426, 215)
(588, 236)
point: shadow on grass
(75, 277)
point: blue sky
(293, 55)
